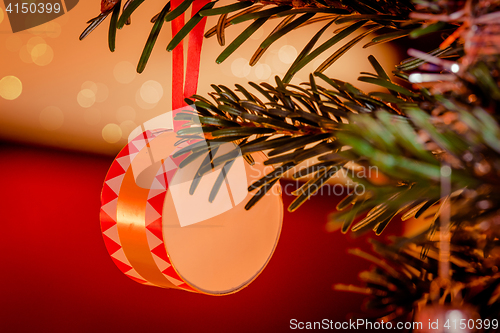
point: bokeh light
(90, 85)
(124, 113)
(111, 133)
(102, 92)
(151, 92)
(86, 98)
(25, 55)
(42, 54)
(272, 60)
(127, 127)
(34, 41)
(287, 54)
(263, 71)
(124, 72)
(52, 29)
(51, 118)
(10, 87)
(140, 102)
(240, 67)
(257, 35)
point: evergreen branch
(381, 136)
(396, 287)
(391, 13)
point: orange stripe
(131, 219)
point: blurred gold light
(240, 67)
(124, 72)
(277, 66)
(263, 71)
(42, 54)
(140, 102)
(111, 133)
(51, 118)
(1, 15)
(102, 92)
(92, 116)
(25, 55)
(90, 85)
(124, 113)
(127, 127)
(34, 41)
(287, 54)
(151, 92)
(86, 98)
(258, 34)
(13, 43)
(10, 87)
(53, 29)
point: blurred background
(62, 92)
(66, 109)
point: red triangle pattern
(157, 202)
(114, 171)
(155, 228)
(161, 252)
(123, 152)
(111, 245)
(185, 286)
(122, 266)
(106, 221)
(170, 271)
(137, 280)
(133, 149)
(170, 175)
(107, 194)
(162, 179)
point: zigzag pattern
(109, 199)
(154, 208)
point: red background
(57, 276)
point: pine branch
(403, 281)
(345, 125)
(390, 15)
(448, 116)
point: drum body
(160, 231)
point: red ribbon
(183, 88)
(194, 51)
(177, 61)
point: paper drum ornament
(161, 231)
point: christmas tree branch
(391, 17)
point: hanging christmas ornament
(162, 230)
(171, 218)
